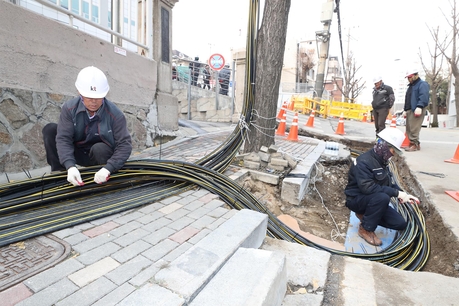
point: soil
(323, 212)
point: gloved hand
(74, 177)
(404, 197)
(417, 112)
(102, 176)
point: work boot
(369, 237)
(359, 216)
(412, 147)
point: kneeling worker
(91, 131)
(370, 187)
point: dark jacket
(383, 97)
(417, 95)
(109, 125)
(370, 175)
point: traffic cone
(310, 122)
(340, 129)
(406, 142)
(364, 119)
(281, 129)
(455, 159)
(291, 105)
(283, 109)
(454, 194)
(293, 134)
(393, 123)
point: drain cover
(21, 260)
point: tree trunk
(270, 56)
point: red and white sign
(217, 61)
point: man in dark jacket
(91, 131)
(383, 100)
(224, 79)
(416, 101)
(370, 187)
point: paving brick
(105, 219)
(116, 295)
(146, 274)
(187, 199)
(89, 294)
(131, 237)
(52, 294)
(181, 223)
(150, 217)
(83, 226)
(94, 271)
(218, 212)
(159, 235)
(152, 292)
(193, 205)
(201, 192)
(216, 224)
(66, 232)
(154, 226)
(177, 214)
(170, 208)
(170, 200)
(13, 295)
(148, 209)
(202, 222)
(198, 213)
(76, 238)
(184, 234)
(52, 275)
(208, 197)
(126, 228)
(131, 251)
(202, 233)
(175, 253)
(103, 228)
(188, 193)
(230, 213)
(129, 217)
(128, 269)
(92, 243)
(214, 204)
(97, 254)
(156, 252)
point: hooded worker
(91, 131)
(371, 186)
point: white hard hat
(394, 137)
(92, 83)
(411, 71)
(377, 79)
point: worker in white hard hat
(370, 187)
(383, 100)
(91, 131)
(416, 100)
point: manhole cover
(23, 259)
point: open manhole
(21, 260)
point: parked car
(401, 120)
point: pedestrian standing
(383, 100)
(416, 101)
(206, 77)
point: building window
(165, 35)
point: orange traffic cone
(282, 111)
(455, 159)
(454, 194)
(393, 123)
(340, 129)
(364, 119)
(291, 105)
(310, 122)
(281, 129)
(293, 134)
(406, 142)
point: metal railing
(116, 37)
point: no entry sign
(216, 61)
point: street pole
(324, 37)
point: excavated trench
(323, 212)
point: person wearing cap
(370, 187)
(416, 100)
(383, 100)
(91, 131)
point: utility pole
(324, 37)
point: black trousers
(380, 116)
(98, 154)
(376, 211)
